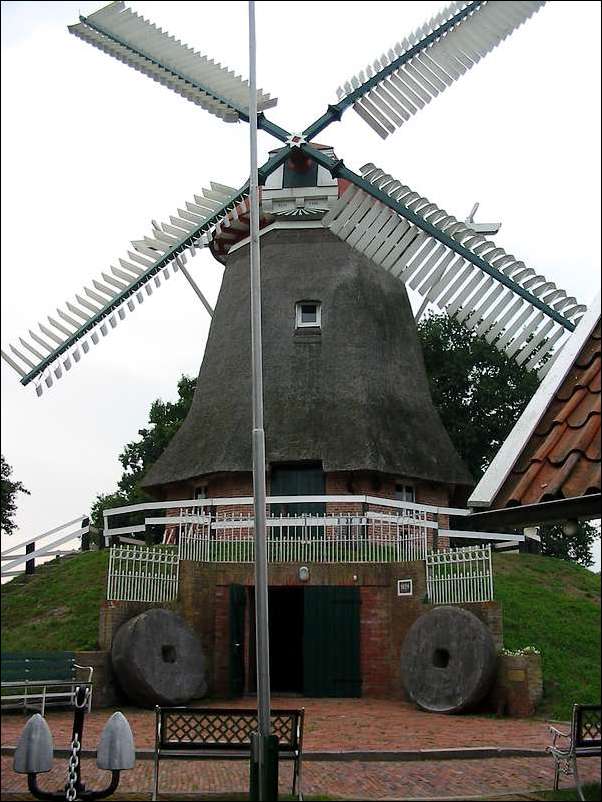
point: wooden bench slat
(34, 673)
(37, 655)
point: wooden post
(30, 565)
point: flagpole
(259, 488)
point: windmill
(411, 240)
(451, 264)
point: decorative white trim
(471, 535)
(511, 449)
(278, 224)
(248, 501)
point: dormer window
(308, 315)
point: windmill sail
(134, 40)
(60, 341)
(518, 310)
(399, 83)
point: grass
(554, 606)
(55, 609)
(591, 792)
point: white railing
(14, 563)
(134, 520)
(138, 573)
(458, 576)
(324, 538)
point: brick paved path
(333, 725)
(354, 780)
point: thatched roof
(355, 396)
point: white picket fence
(370, 538)
(457, 576)
(144, 574)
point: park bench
(583, 740)
(37, 680)
(224, 734)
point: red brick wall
(375, 653)
(385, 617)
(221, 656)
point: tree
(165, 418)
(574, 545)
(10, 489)
(478, 391)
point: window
(200, 492)
(298, 479)
(405, 492)
(308, 314)
(302, 174)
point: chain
(84, 701)
(71, 793)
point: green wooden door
(238, 601)
(331, 642)
(297, 480)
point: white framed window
(405, 492)
(405, 587)
(308, 314)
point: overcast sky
(92, 151)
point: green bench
(37, 680)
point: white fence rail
(325, 538)
(457, 576)
(138, 573)
(14, 563)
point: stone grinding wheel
(158, 660)
(448, 660)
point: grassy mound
(554, 606)
(56, 608)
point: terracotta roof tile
(562, 458)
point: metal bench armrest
(557, 734)
(89, 669)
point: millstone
(448, 660)
(158, 660)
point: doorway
(314, 641)
(286, 639)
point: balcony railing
(364, 529)
(140, 520)
(308, 538)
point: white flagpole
(259, 489)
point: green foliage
(480, 394)
(575, 546)
(8, 489)
(165, 418)
(555, 607)
(56, 608)
(478, 391)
